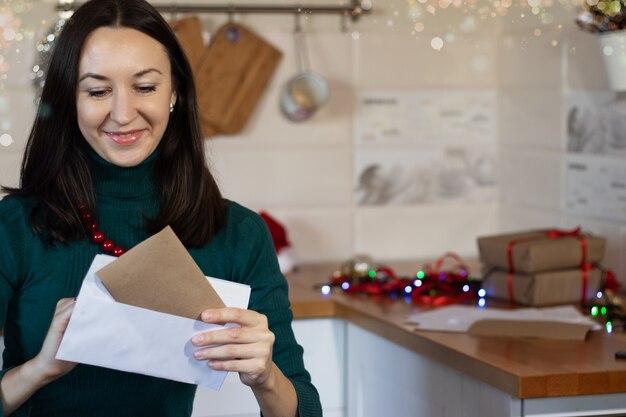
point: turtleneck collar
(110, 180)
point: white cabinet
(388, 380)
(385, 379)
(323, 341)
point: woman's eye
(98, 93)
(145, 89)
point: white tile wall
(532, 179)
(532, 119)
(285, 178)
(423, 232)
(468, 62)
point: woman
(115, 154)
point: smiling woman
(123, 105)
(120, 153)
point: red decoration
(91, 227)
(277, 230)
(430, 286)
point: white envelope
(106, 333)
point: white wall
(303, 174)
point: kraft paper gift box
(536, 251)
(543, 288)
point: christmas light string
(430, 285)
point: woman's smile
(125, 138)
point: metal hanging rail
(354, 10)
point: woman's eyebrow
(103, 78)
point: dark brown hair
(54, 170)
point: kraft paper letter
(107, 333)
(160, 275)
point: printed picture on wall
(596, 123)
(425, 176)
(435, 117)
(596, 144)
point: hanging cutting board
(234, 72)
(189, 34)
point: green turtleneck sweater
(34, 276)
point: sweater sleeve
(258, 265)
(12, 248)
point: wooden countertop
(524, 368)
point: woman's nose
(123, 109)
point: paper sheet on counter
(104, 332)
(562, 323)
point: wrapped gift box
(536, 251)
(543, 288)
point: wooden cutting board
(233, 74)
(189, 34)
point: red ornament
(86, 217)
(91, 227)
(108, 245)
(97, 237)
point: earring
(171, 107)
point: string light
(429, 285)
(482, 292)
(609, 327)
(325, 289)
(481, 302)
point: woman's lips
(125, 138)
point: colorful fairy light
(429, 285)
(325, 289)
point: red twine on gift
(552, 234)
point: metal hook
(298, 23)
(344, 22)
(231, 13)
(174, 13)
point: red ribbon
(552, 234)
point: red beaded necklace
(91, 227)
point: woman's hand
(45, 362)
(246, 349)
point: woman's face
(123, 95)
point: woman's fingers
(246, 349)
(233, 315)
(239, 335)
(232, 351)
(46, 360)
